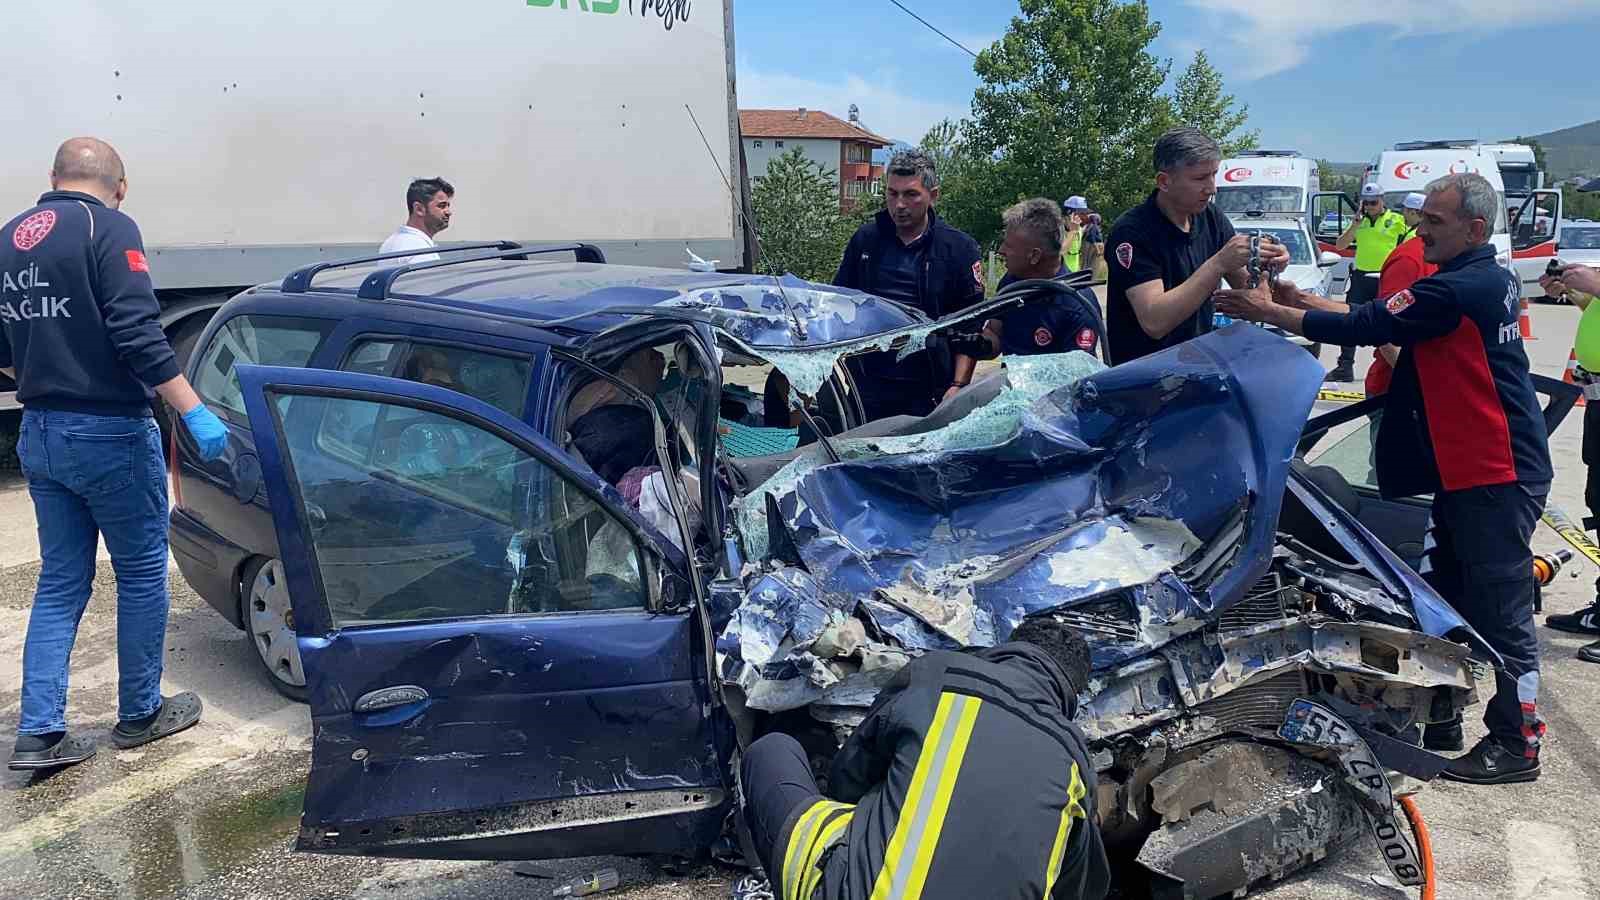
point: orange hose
(1424, 845)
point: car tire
(268, 620)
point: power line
(932, 28)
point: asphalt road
(211, 813)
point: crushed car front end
(1159, 509)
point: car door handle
(390, 697)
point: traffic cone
(1570, 376)
(1525, 323)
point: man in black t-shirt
(1167, 256)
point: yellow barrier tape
(1562, 525)
(1341, 396)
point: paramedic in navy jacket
(1462, 422)
(82, 338)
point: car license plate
(1315, 725)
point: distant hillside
(1571, 151)
(1351, 170)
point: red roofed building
(837, 145)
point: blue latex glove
(207, 430)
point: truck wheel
(268, 619)
(185, 340)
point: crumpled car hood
(1143, 500)
(786, 312)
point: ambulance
(1411, 167)
(1267, 182)
(1524, 236)
(1277, 183)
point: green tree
(797, 214)
(1070, 103)
(1198, 100)
(1334, 180)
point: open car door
(503, 660)
(1533, 239)
(1331, 213)
(1341, 443)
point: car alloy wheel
(269, 619)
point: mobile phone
(1555, 268)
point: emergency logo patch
(977, 274)
(137, 262)
(1043, 337)
(1125, 255)
(1400, 302)
(33, 229)
(1086, 339)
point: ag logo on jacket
(1400, 302)
(1125, 254)
(33, 229)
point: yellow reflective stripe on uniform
(813, 870)
(1073, 810)
(799, 842)
(916, 834)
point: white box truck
(264, 136)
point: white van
(1413, 166)
(1269, 182)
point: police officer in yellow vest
(966, 779)
(1581, 285)
(1376, 232)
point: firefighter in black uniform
(966, 779)
(1063, 320)
(909, 255)
(1461, 422)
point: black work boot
(1489, 762)
(1590, 652)
(1443, 737)
(1584, 621)
(1341, 373)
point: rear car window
(498, 380)
(254, 340)
(420, 515)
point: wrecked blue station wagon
(527, 632)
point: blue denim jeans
(88, 476)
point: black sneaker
(1491, 763)
(1590, 652)
(1342, 374)
(1443, 737)
(1584, 621)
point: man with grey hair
(907, 254)
(1058, 318)
(1170, 253)
(1461, 421)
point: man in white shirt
(428, 203)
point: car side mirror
(1329, 258)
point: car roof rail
(376, 286)
(299, 281)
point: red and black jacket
(1461, 410)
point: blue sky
(1340, 83)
